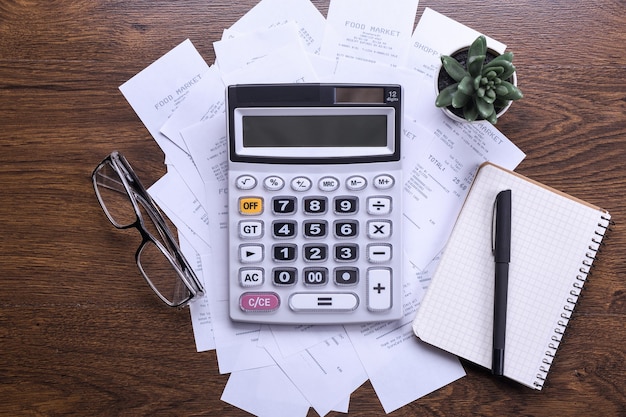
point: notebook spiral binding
(585, 271)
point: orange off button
(250, 206)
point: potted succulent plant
(477, 83)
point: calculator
(315, 203)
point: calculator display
(331, 131)
(315, 132)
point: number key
(346, 205)
(315, 276)
(315, 229)
(284, 229)
(346, 228)
(347, 252)
(284, 253)
(315, 205)
(284, 205)
(315, 253)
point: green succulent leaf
(489, 97)
(513, 93)
(497, 71)
(453, 68)
(470, 111)
(444, 99)
(492, 118)
(460, 99)
(484, 108)
(476, 56)
(477, 82)
(500, 60)
(501, 90)
(466, 86)
(475, 64)
(508, 71)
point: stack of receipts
(285, 370)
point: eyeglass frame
(135, 190)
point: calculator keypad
(312, 245)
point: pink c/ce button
(259, 301)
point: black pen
(501, 246)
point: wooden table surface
(80, 332)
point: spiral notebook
(554, 241)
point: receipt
(369, 30)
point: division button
(259, 301)
(323, 301)
(378, 289)
(379, 205)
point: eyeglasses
(127, 204)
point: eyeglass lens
(113, 196)
(158, 264)
(159, 267)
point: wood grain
(80, 332)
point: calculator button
(346, 228)
(346, 253)
(250, 229)
(251, 277)
(379, 229)
(250, 206)
(250, 253)
(259, 301)
(284, 253)
(323, 301)
(300, 184)
(328, 184)
(315, 253)
(346, 276)
(378, 289)
(346, 205)
(379, 253)
(384, 182)
(285, 276)
(273, 183)
(315, 276)
(315, 229)
(284, 205)
(315, 205)
(245, 182)
(356, 183)
(284, 229)
(379, 205)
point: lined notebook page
(553, 236)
